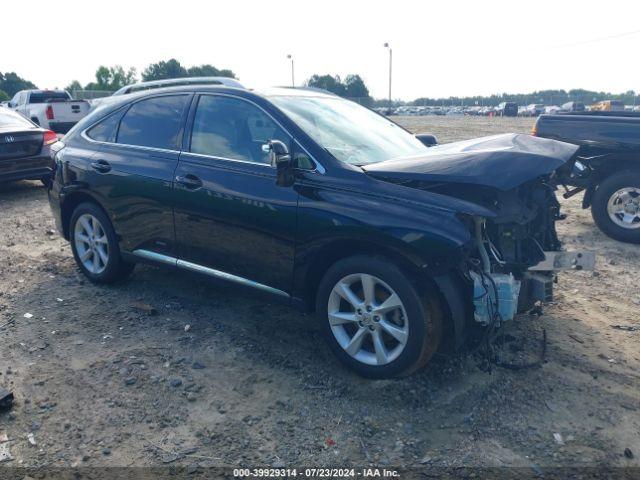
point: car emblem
(9, 139)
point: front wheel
(375, 319)
(95, 245)
(616, 206)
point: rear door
(133, 169)
(230, 214)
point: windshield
(351, 133)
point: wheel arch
(444, 285)
(612, 166)
(70, 203)
(600, 203)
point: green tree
(3, 96)
(207, 70)
(329, 83)
(352, 87)
(112, 78)
(73, 86)
(356, 88)
(11, 83)
(162, 70)
(173, 69)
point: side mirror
(427, 139)
(281, 160)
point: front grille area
(19, 145)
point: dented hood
(501, 161)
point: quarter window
(155, 122)
(231, 128)
(106, 130)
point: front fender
(423, 232)
(334, 223)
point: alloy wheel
(624, 207)
(368, 319)
(92, 245)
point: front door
(230, 215)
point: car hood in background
(501, 161)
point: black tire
(115, 268)
(601, 197)
(423, 315)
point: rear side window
(106, 130)
(155, 122)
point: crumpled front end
(515, 252)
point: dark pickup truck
(607, 166)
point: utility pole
(293, 82)
(386, 45)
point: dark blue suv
(319, 202)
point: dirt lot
(217, 376)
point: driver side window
(234, 129)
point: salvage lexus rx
(397, 246)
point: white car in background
(534, 109)
(53, 110)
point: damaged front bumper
(497, 297)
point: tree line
(545, 97)
(112, 78)
(11, 83)
(352, 86)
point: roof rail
(311, 89)
(174, 82)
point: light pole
(293, 83)
(386, 45)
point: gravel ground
(171, 368)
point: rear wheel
(375, 320)
(95, 245)
(616, 206)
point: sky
(440, 48)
